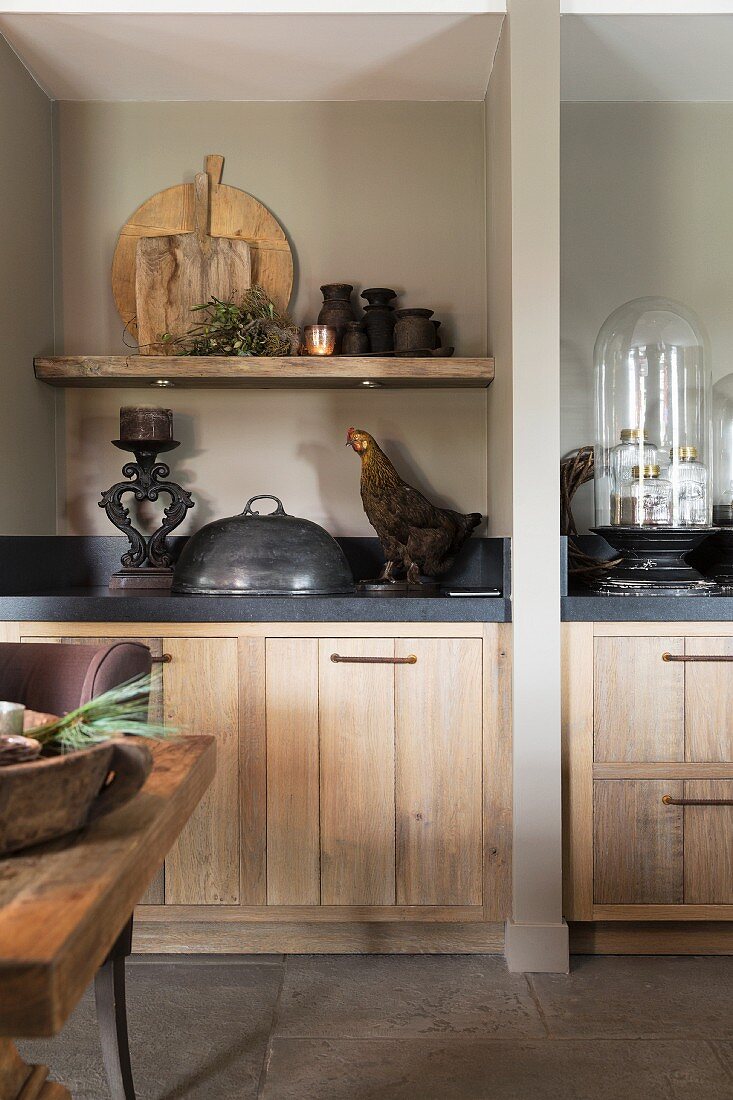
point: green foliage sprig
(121, 710)
(253, 326)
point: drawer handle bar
(164, 660)
(339, 660)
(668, 800)
(690, 658)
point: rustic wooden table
(64, 905)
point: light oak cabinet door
(709, 701)
(357, 770)
(374, 771)
(638, 843)
(639, 700)
(709, 844)
(293, 811)
(438, 739)
(201, 697)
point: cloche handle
(279, 511)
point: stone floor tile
(196, 1032)
(474, 1069)
(642, 996)
(363, 996)
(725, 1053)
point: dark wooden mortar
(52, 796)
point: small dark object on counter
(414, 330)
(354, 340)
(263, 555)
(415, 535)
(337, 309)
(148, 562)
(379, 318)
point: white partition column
(537, 938)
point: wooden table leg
(109, 994)
(21, 1082)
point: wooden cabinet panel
(709, 845)
(155, 893)
(639, 711)
(252, 772)
(638, 843)
(201, 698)
(438, 734)
(709, 701)
(357, 774)
(293, 817)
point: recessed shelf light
(162, 382)
(371, 385)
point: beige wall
(499, 286)
(27, 486)
(646, 209)
(373, 193)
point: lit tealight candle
(320, 339)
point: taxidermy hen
(415, 535)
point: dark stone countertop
(589, 608)
(97, 604)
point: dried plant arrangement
(252, 326)
(575, 470)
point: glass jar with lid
(646, 498)
(689, 479)
(633, 450)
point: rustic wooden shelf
(341, 371)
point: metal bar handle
(165, 659)
(691, 658)
(339, 660)
(668, 800)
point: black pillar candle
(145, 422)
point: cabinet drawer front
(638, 705)
(709, 700)
(438, 735)
(638, 843)
(709, 844)
(356, 710)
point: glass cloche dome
(653, 388)
(723, 452)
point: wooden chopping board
(175, 273)
(233, 214)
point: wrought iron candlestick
(148, 562)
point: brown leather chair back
(55, 679)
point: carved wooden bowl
(52, 796)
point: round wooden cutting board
(234, 214)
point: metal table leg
(109, 994)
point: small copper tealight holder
(320, 339)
